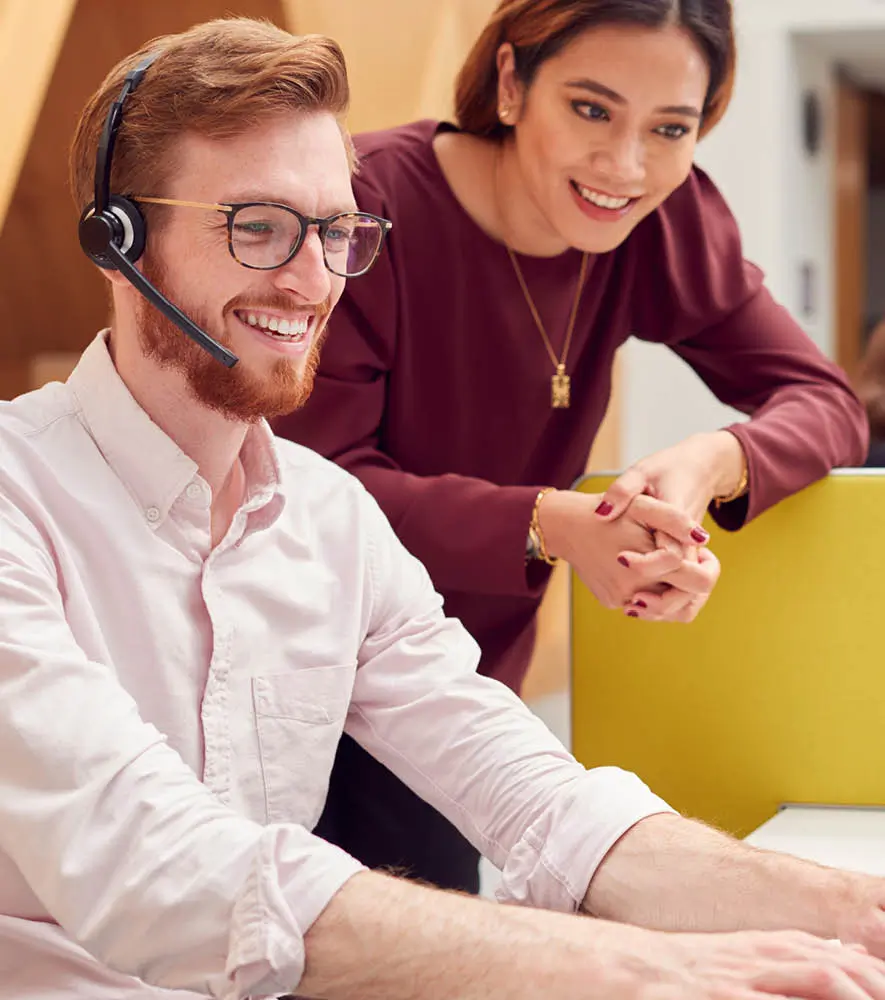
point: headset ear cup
(134, 228)
(121, 224)
(95, 233)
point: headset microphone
(112, 230)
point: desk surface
(837, 836)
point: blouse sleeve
(711, 307)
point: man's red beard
(235, 392)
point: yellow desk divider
(776, 692)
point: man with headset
(191, 612)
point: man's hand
(860, 913)
(619, 558)
(784, 963)
(674, 874)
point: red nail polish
(604, 509)
(632, 614)
(700, 536)
(623, 561)
(640, 604)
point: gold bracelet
(738, 491)
(535, 528)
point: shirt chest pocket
(300, 717)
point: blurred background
(800, 157)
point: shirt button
(152, 514)
(194, 490)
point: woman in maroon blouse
(473, 367)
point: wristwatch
(532, 545)
(536, 545)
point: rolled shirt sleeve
(470, 747)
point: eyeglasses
(264, 235)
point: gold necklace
(560, 383)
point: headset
(113, 231)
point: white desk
(831, 835)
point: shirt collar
(261, 465)
(145, 459)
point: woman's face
(607, 130)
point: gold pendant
(560, 389)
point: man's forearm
(385, 939)
(382, 938)
(672, 873)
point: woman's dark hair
(539, 29)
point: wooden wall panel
(851, 181)
(402, 56)
(30, 37)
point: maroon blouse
(434, 384)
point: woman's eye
(592, 112)
(597, 113)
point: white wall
(812, 15)
(780, 197)
(809, 216)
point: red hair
(217, 79)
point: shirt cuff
(552, 865)
(295, 877)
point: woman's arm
(470, 533)
(805, 418)
(805, 422)
(703, 300)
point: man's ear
(115, 278)
(510, 90)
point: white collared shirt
(170, 711)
